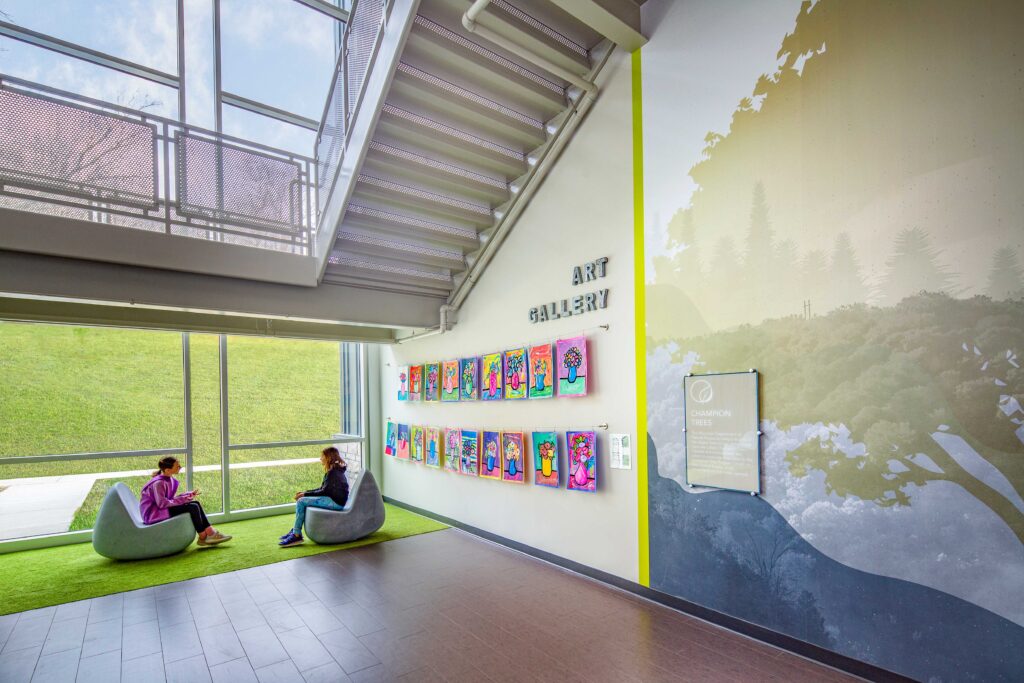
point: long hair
(165, 464)
(334, 460)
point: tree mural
(1006, 280)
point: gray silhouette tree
(847, 285)
(1006, 280)
(914, 267)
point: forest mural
(835, 200)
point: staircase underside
(462, 129)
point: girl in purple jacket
(159, 502)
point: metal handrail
(340, 77)
(166, 206)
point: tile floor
(444, 606)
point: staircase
(463, 136)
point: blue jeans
(311, 502)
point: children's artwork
(513, 462)
(572, 366)
(450, 380)
(582, 460)
(432, 446)
(431, 377)
(545, 459)
(490, 456)
(403, 442)
(470, 462)
(416, 443)
(542, 380)
(390, 440)
(416, 383)
(469, 369)
(515, 373)
(491, 373)
(403, 383)
(452, 449)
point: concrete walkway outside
(47, 505)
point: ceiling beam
(617, 20)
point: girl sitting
(332, 494)
(158, 502)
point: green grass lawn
(79, 389)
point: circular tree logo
(700, 391)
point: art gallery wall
(583, 211)
(832, 197)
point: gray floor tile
(61, 667)
(140, 639)
(173, 610)
(244, 614)
(65, 635)
(191, 670)
(319, 618)
(358, 620)
(263, 592)
(102, 636)
(7, 624)
(104, 668)
(262, 646)
(347, 651)
(329, 593)
(304, 649)
(328, 673)
(208, 612)
(220, 644)
(50, 612)
(294, 591)
(17, 666)
(72, 610)
(28, 633)
(236, 671)
(282, 672)
(180, 641)
(149, 669)
(281, 616)
(106, 608)
(139, 612)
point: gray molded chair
(363, 514)
(120, 534)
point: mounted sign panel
(722, 431)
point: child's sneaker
(281, 538)
(214, 538)
(290, 539)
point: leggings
(312, 502)
(193, 510)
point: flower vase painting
(470, 462)
(416, 383)
(469, 370)
(582, 447)
(391, 440)
(514, 463)
(431, 386)
(491, 373)
(450, 380)
(545, 459)
(515, 374)
(403, 383)
(403, 442)
(416, 444)
(490, 455)
(452, 449)
(542, 380)
(572, 366)
(432, 446)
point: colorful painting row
(514, 374)
(497, 455)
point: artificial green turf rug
(52, 576)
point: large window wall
(82, 408)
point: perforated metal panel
(365, 25)
(54, 146)
(216, 181)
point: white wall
(582, 212)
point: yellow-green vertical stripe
(641, 332)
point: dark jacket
(335, 486)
